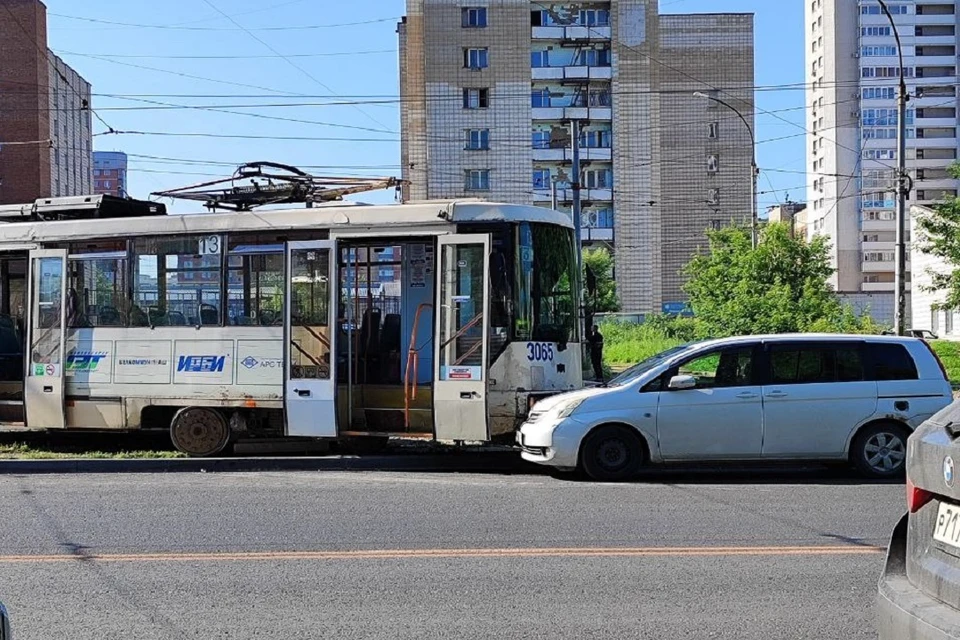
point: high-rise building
(45, 127)
(489, 92)
(853, 71)
(110, 173)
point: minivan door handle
(746, 395)
(776, 394)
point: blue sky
(189, 54)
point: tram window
(177, 281)
(546, 309)
(97, 290)
(255, 285)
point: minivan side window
(720, 369)
(815, 363)
(891, 362)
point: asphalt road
(400, 555)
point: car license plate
(947, 527)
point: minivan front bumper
(904, 612)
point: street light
(903, 188)
(754, 170)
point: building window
(540, 139)
(598, 179)
(475, 58)
(879, 93)
(875, 10)
(592, 58)
(594, 18)
(875, 31)
(541, 179)
(477, 180)
(713, 196)
(539, 59)
(596, 139)
(476, 98)
(477, 139)
(598, 219)
(474, 17)
(540, 98)
(713, 130)
(713, 163)
(878, 50)
(878, 256)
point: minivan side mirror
(679, 383)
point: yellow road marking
(401, 554)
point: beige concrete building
(791, 213)
(489, 88)
(853, 70)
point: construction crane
(256, 184)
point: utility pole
(903, 189)
(575, 186)
(553, 193)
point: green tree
(779, 287)
(939, 236)
(599, 262)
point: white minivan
(759, 398)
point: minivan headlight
(569, 408)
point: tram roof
(344, 215)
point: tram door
(310, 335)
(44, 387)
(462, 338)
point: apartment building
(853, 71)
(110, 173)
(490, 88)
(44, 115)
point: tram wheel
(199, 432)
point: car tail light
(916, 497)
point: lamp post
(754, 170)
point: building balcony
(571, 32)
(944, 19)
(929, 164)
(877, 246)
(878, 225)
(923, 123)
(871, 287)
(596, 234)
(927, 41)
(877, 267)
(566, 195)
(572, 113)
(572, 72)
(934, 61)
(566, 154)
(935, 143)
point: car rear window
(891, 362)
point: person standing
(596, 352)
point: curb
(493, 462)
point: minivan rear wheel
(611, 454)
(880, 450)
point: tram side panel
(113, 374)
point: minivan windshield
(642, 367)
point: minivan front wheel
(611, 454)
(880, 450)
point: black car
(920, 587)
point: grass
(949, 354)
(24, 451)
(62, 445)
